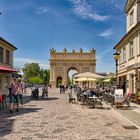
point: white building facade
(129, 49)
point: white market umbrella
(89, 75)
(106, 80)
(85, 79)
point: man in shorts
(15, 88)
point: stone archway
(61, 62)
(75, 70)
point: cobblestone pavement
(56, 119)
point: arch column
(65, 76)
(52, 75)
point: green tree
(33, 74)
(31, 70)
(46, 76)
(69, 81)
(36, 80)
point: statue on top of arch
(92, 50)
(65, 50)
(81, 50)
(52, 50)
(73, 51)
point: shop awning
(6, 69)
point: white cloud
(20, 62)
(111, 4)
(106, 33)
(84, 10)
(115, 3)
(42, 10)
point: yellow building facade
(129, 50)
(6, 64)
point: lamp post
(116, 58)
(138, 2)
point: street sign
(118, 95)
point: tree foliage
(34, 80)
(31, 70)
(46, 76)
(33, 74)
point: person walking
(20, 92)
(36, 91)
(45, 91)
(60, 86)
(14, 91)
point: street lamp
(116, 58)
(138, 2)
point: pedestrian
(60, 86)
(20, 92)
(24, 88)
(50, 86)
(45, 91)
(63, 88)
(36, 91)
(14, 91)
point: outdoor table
(83, 97)
(93, 100)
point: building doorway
(59, 81)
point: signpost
(118, 97)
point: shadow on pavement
(45, 99)
(7, 119)
(121, 138)
(125, 108)
(26, 99)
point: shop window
(7, 57)
(139, 43)
(1, 54)
(0, 82)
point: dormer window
(131, 17)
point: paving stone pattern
(56, 119)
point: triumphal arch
(62, 62)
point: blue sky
(35, 26)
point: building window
(121, 56)
(1, 54)
(131, 17)
(131, 49)
(7, 57)
(139, 43)
(124, 55)
(0, 82)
